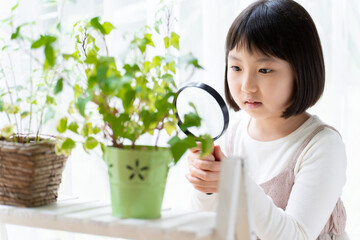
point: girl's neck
(275, 128)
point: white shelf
(94, 217)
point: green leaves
(68, 144)
(104, 28)
(142, 43)
(7, 131)
(73, 126)
(97, 25)
(47, 41)
(16, 34)
(108, 27)
(15, 6)
(49, 54)
(128, 96)
(172, 41)
(179, 146)
(206, 144)
(191, 120)
(62, 125)
(59, 86)
(43, 41)
(81, 105)
(91, 143)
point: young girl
(296, 164)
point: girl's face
(259, 84)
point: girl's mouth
(252, 104)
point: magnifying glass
(209, 105)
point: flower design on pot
(137, 170)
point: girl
(296, 164)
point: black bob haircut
(282, 29)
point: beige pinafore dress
(280, 186)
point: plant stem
(16, 92)
(84, 42)
(106, 47)
(31, 92)
(44, 106)
(10, 94)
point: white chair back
(233, 220)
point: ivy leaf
(49, 54)
(179, 146)
(68, 144)
(87, 129)
(157, 25)
(156, 62)
(167, 42)
(73, 126)
(50, 114)
(81, 105)
(11, 108)
(170, 127)
(96, 130)
(15, 6)
(7, 131)
(62, 124)
(147, 118)
(108, 27)
(206, 145)
(170, 66)
(16, 33)
(24, 114)
(59, 86)
(50, 100)
(149, 41)
(43, 40)
(91, 57)
(97, 25)
(174, 40)
(91, 143)
(190, 120)
(128, 98)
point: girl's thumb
(218, 154)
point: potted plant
(123, 99)
(30, 77)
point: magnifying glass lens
(209, 105)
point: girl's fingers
(208, 176)
(208, 165)
(192, 157)
(196, 149)
(196, 182)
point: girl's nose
(249, 84)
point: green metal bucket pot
(137, 180)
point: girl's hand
(204, 173)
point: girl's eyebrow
(261, 59)
(266, 59)
(234, 58)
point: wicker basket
(30, 173)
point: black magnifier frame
(215, 95)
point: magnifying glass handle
(215, 160)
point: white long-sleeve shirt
(319, 179)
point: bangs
(257, 30)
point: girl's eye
(235, 68)
(264, 70)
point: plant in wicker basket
(121, 100)
(30, 79)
